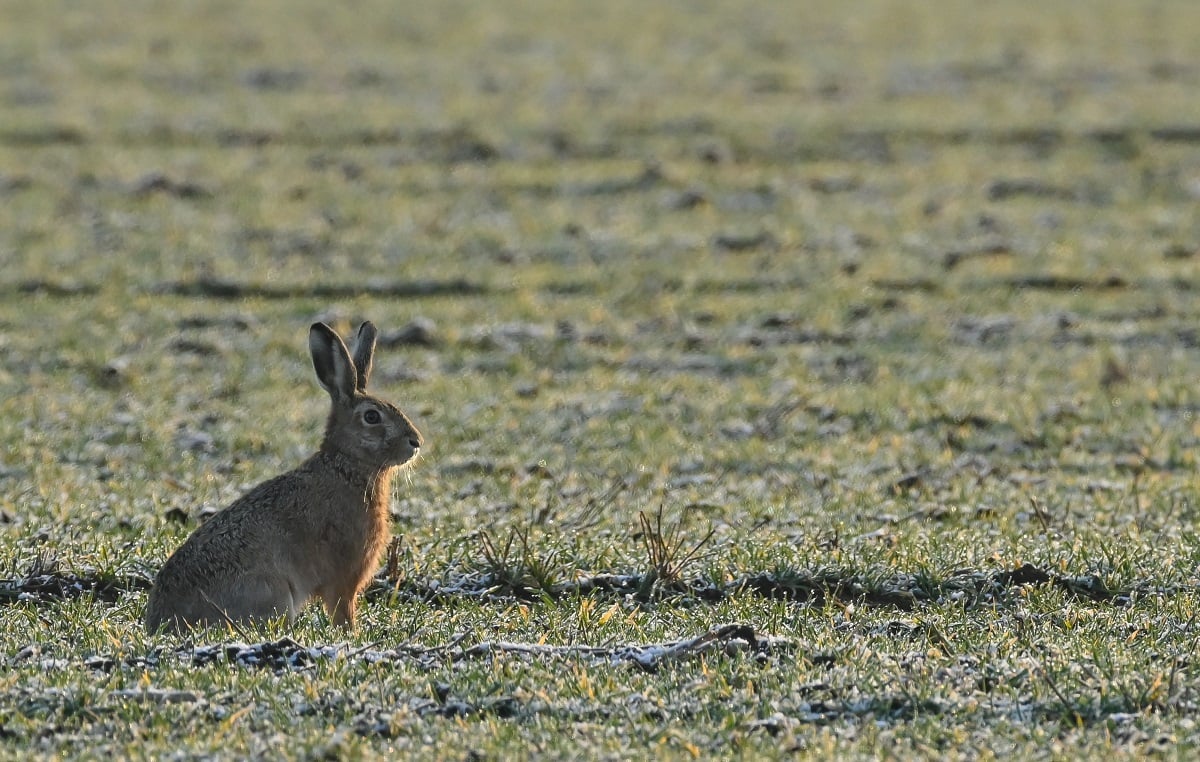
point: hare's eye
(372, 417)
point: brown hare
(315, 531)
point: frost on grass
(814, 586)
(44, 580)
(287, 654)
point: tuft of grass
(669, 550)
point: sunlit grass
(872, 329)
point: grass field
(809, 381)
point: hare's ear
(332, 362)
(364, 353)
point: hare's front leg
(341, 606)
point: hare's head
(369, 430)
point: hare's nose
(414, 436)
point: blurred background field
(888, 307)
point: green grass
(871, 328)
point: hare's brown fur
(316, 531)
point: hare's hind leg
(259, 597)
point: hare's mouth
(407, 459)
